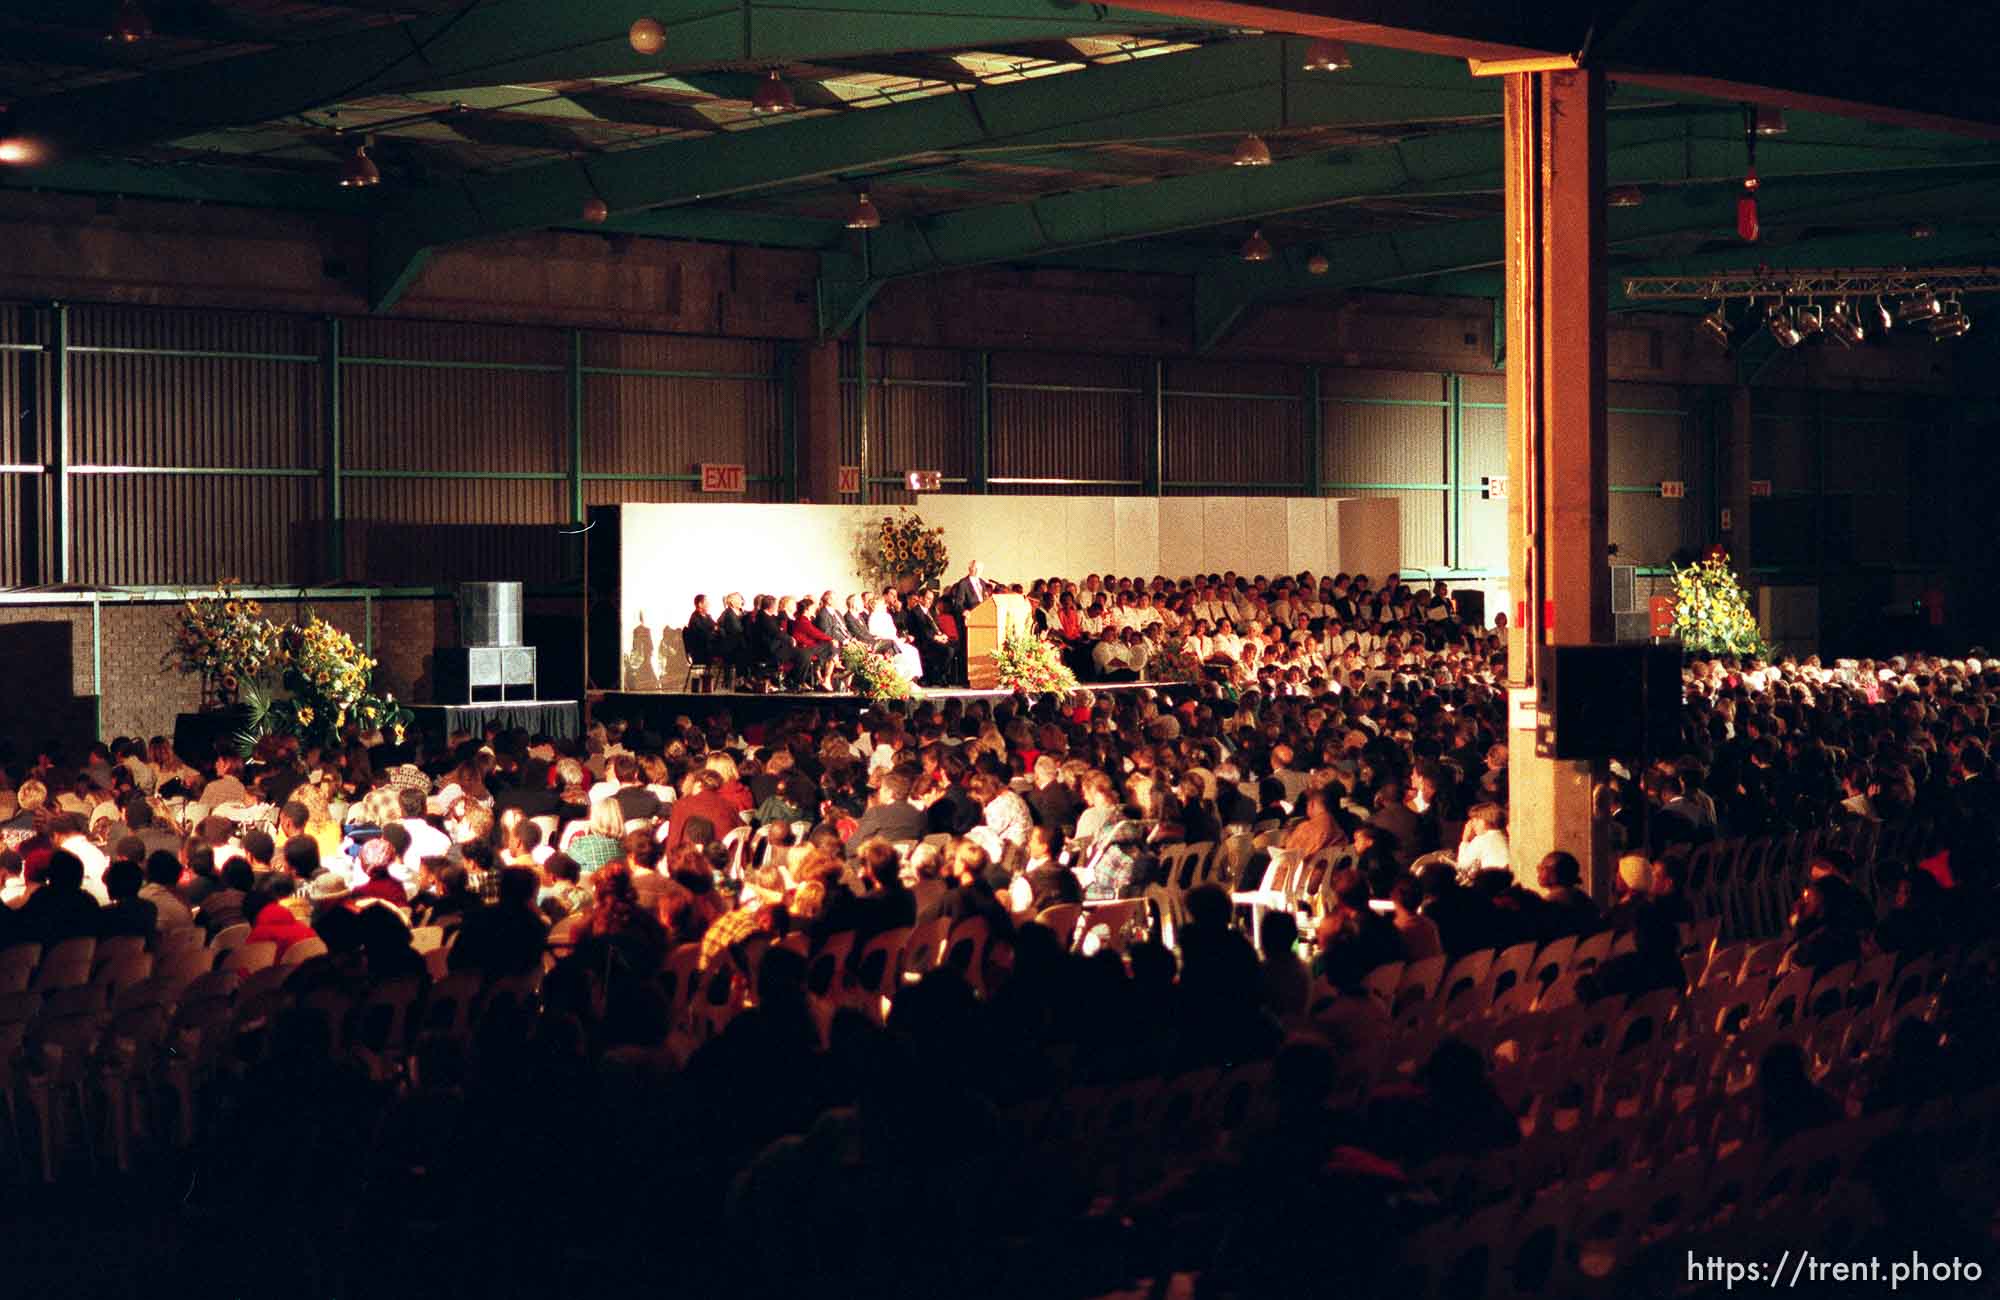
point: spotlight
(1257, 248)
(1325, 55)
(18, 151)
(773, 96)
(1624, 196)
(1843, 325)
(596, 211)
(1809, 319)
(359, 172)
(863, 215)
(1783, 328)
(1251, 151)
(1768, 119)
(1922, 304)
(647, 36)
(1318, 264)
(130, 26)
(1953, 323)
(1885, 320)
(1716, 325)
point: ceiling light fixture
(647, 36)
(1767, 120)
(1257, 248)
(1922, 230)
(1624, 196)
(18, 151)
(131, 24)
(1783, 327)
(1325, 55)
(773, 96)
(1952, 323)
(1922, 304)
(1809, 319)
(359, 172)
(863, 215)
(1251, 151)
(1318, 264)
(596, 211)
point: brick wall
(46, 650)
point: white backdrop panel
(1265, 550)
(1306, 534)
(1182, 548)
(1136, 539)
(1222, 544)
(1370, 535)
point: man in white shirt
(426, 840)
(1483, 847)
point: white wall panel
(1266, 524)
(1137, 547)
(1182, 552)
(1222, 525)
(1306, 547)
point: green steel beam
(1228, 288)
(575, 456)
(723, 226)
(207, 181)
(531, 41)
(336, 452)
(59, 379)
(1230, 87)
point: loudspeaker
(1471, 606)
(489, 613)
(483, 674)
(1611, 701)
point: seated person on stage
(938, 651)
(815, 644)
(698, 637)
(899, 648)
(731, 645)
(770, 642)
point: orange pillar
(1559, 503)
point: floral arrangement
(1032, 664)
(1711, 611)
(1175, 662)
(328, 684)
(227, 640)
(874, 676)
(908, 551)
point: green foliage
(1712, 612)
(1033, 664)
(874, 675)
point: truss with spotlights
(1858, 283)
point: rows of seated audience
(1300, 635)
(797, 998)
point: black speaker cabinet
(1471, 606)
(483, 674)
(1610, 701)
(489, 613)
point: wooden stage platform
(657, 708)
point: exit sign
(721, 478)
(1760, 487)
(850, 480)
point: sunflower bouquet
(227, 641)
(908, 551)
(1712, 612)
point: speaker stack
(490, 663)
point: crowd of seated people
(604, 857)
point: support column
(817, 421)
(1736, 477)
(1556, 450)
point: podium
(986, 628)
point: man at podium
(960, 599)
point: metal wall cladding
(1649, 530)
(1422, 521)
(693, 401)
(1066, 416)
(923, 413)
(1784, 442)
(423, 418)
(1648, 432)
(18, 530)
(407, 532)
(1234, 428)
(183, 529)
(1482, 532)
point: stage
(554, 718)
(655, 709)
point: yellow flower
(253, 609)
(306, 716)
(399, 733)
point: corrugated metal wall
(1388, 433)
(1237, 429)
(21, 526)
(658, 406)
(1082, 420)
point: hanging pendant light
(1624, 196)
(359, 172)
(1251, 151)
(1257, 248)
(863, 215)
(1318, 264)
(647, 36)
(1324, 55)
(1767, 120)
(773, 96)
(596, 211)
(130, 25)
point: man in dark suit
(829, 621)
(940, 656)
(891, 816)
(967, 593)
(771, 644)
(731, 642)
(698, 637)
